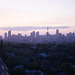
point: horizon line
(26, 28)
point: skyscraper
(5, 35)
(37, 34)
(57, 31)
(9, 33)
(47, 34)
(33, 35)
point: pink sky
(37, 12)
(15, 13)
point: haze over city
(21, 14)
(37, 37)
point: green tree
(11, 61)
(67, 68)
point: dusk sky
(37, 13)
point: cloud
(31, 28)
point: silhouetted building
(5, 35)
(57, 31)
(47, 34)
(19, 34)
(32, 36)
(37, 34)
(36, 38)
(9, 33)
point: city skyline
(36, 38)
(27, 30)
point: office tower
(9, 33)
(37, 34)
(33, 35)
(57, 31)
(5, 35)
(47, 33)
(19, 34)
(37, 37)
(47, 29)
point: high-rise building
(47, 29)
(57, 31)
(47, 34)
(9, 33)
(19, 34)
(33, 35)
(5, 35)
(37, 34)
